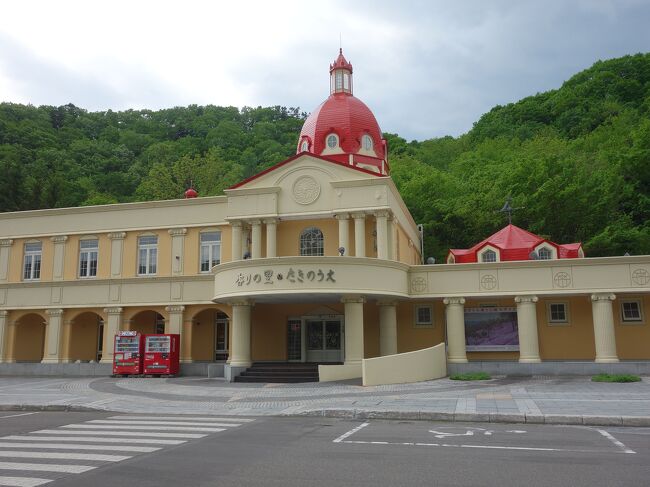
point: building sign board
(491, 329)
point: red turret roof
(514, 243)
(341, 63)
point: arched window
(332, 141)
(489, 256)
(544, 253)
(311, 241)
(304, 147)
(367, 142)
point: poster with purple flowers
(491, 329)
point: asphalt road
(115, 449)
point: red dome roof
(346, 116)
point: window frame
(88, 251)
(210, 245)
(34, 271)
(364, 142)
(485, 250)
(327, 138)
(320, 247)
(639, 303)
(148, 247)
(551, 249)
(549, 314)
(416, 316)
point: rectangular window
(88, 252)
(423, 316)
(210, 250)
(631, 311)
(32, 262)
(147, 255)
(558, 313)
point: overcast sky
(425, 68)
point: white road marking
(122, 433)
(15, 416)
(160, 423)
(350, 433)
(131, 428)
(623, 448)
(183, 418)
(63, 456)
(73, 446)
(95, 439)
(45, 467)
(22, 481)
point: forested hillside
(576, 159)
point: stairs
(279, 372)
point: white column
(178, 249)
(59, 257)
(344, 231)
(604, 336)
(387, 327)
(391, 238)
(117, 250)
(359, 234)
(3, 333)
(256, 237)
(455, 312)
(236, 244)
(175, 323)
(353, 329)
(527, 329)
(382, 234)
(53, 336)
(111, 328)
(271, 237)
(5, 255)
(241, 334)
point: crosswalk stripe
(63, 456)
(154, 428)
(22, 481)
(74, 446)
(45, 467)
(183, 418)
(123, 433)
(95, 439)
(161, 423)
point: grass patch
(471, 376)
(616, 378)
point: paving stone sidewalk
(559, 400)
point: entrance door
(294, 340)
(324, 340)
(221, 337)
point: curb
(555, 419)
(49, 407)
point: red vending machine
(127, 354)
(161, 354)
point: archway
(29, 338)
(148, 322)
(85, 339)
(210, 336)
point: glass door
(324, 340)
(294, 340)
(221, 337)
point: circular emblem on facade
(418, 284)
(562, 279)
(488, 281)
(306, 190)
(641, 277)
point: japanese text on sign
(298, 276)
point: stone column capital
(236, 223)
(113, 311)
(358, 215)
(6, 242)
(353, 299)
(342, 216)
(603, 297)
(59, 239)
(254, 222)
(386, 302)
(117, 235)
(175, 309)
(3, 313)
(241, 302)
(452, 301)
(54, 312)
(381, 213)
(526, 299)
(177, 232)
(270, 221)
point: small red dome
(191, 193)
(358, 138)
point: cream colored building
(314, 260)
